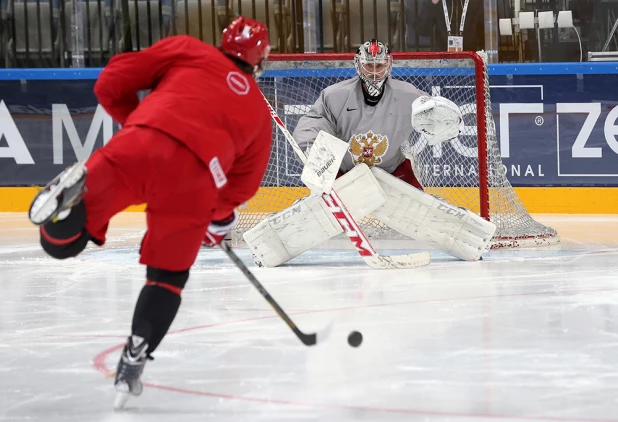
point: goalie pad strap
(309, 222)
(453, 230)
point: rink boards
(561, 200)
(556, 124)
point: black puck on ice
(355, 339)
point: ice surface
(529, 335)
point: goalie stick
(307, 339)
(347, 222)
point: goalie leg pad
(309, 222)
(456, 231)
(291, 232)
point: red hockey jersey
(200, 98)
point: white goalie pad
(409, 211)
(309, 222)
(437, 118)
(323, 162)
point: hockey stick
(307, 339)
(347, 222)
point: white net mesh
(454, 171)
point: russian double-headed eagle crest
(368, 148)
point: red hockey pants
(404, 172)
(142, 165)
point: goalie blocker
(400, 206)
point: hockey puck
(355, 339)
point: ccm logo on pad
(238, 83)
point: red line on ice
(101, 366)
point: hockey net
(467, 171)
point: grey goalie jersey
(375, 134)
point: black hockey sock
(66, 238)
(155, 310)
(70, 226)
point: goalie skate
(55, 200)
(129, 371)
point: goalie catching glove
(218, 229)
(437, 118)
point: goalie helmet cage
(467, 171)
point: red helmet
(247, 40)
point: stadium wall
(557, 126)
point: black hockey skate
(129, 371)
(55, 200)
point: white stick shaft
(299, 152)
(348, 224)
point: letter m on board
(62, 118)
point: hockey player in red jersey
(193, 150)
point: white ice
(529, 335)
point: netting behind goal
(466, 171)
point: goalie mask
(373, 64)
